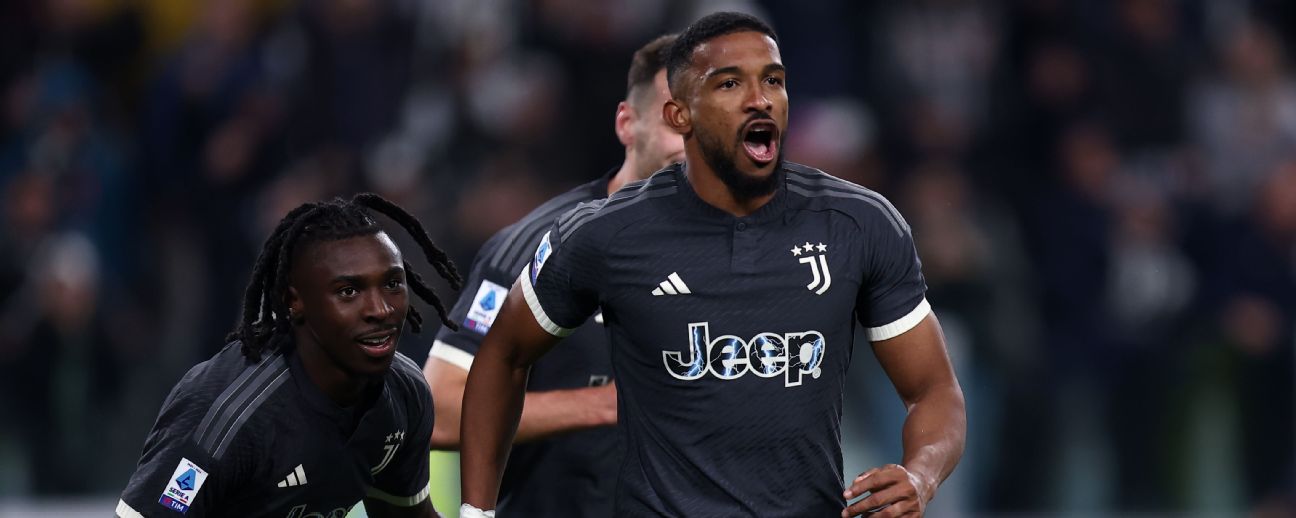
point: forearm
(492, 406)
(934, 433)
(544, 414)
(552, 412)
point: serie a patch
(485, 307)
(183, 486)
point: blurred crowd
(1103, 194)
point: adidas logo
(673, 285)
(296, 478)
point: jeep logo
(766, 355)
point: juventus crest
(817, 257)
(394, 440)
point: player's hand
(605, 403)
(893, 491)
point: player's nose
(377, 308)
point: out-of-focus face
(349, 300)
(655, 145)
(737, 105)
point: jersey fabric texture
(237, 438)
(573, 474)
(730, 336)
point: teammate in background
(565, 462)
(730, 285)
(309, 408)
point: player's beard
(742, 186)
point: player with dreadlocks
(309, 408)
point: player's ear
(677, 116)
(625, 119)
(296, 309)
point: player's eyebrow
(770, 68)
(719, 71)
(359, 279)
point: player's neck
(708, 186)
(339, 386)
(628, 173)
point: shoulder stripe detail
(536, 309)
(895, 224)
(221, 408)
(451, 354)
(399, 501)
(816, 183)
(124, 510)
(900, 325)
(520, 236)
(223, 444)
(579, 219)
(627, 194)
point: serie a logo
(767, 355)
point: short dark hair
(647, 61)
(265, 324)
(705, 29)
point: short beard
(742, 187)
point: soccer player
(566, 453)
(729, 285)
(309, 408)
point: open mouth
(760, 141)
(378, 344)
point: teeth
(374, 341)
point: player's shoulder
(823, 191)
(407, 375)
(631, 202)
(227, 391)
(509, 248)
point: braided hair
(265, 318)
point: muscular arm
(934, 431)
(493, 397)
(544, 413)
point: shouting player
(730, 286)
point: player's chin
(371, 366)
(371, 359)
(754, 168)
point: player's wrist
(468, 511)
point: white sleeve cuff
(900, 325)
(124, 510)
(454, 355)
(399, 501)
(537, 310)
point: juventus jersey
(237, 438)
(730, 336)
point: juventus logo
(389, 450)
(821, 277)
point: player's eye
(774, 80)
(347, 291)
(728, 83)
(395, 284)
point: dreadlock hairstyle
(265, 320)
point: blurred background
(1103, 194)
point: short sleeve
(404, 482)
(562, 281)
(892, 298)
(478, 305)
(176, 476)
